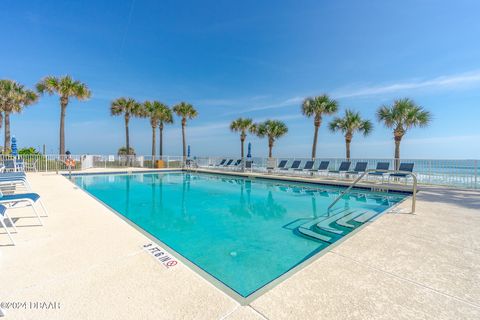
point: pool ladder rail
(360, 177)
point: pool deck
(401, 266)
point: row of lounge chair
(232, 164)
(10, 199)
(344, 168)
(323, 167)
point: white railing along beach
(455, 173)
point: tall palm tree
(185, 111)
(165, 116)
(402, 115)
(273, 130)
(350, 123)
(317, 107)
(242, 125)
(127, 107)
(151, 110)
(13, 98)
(66, 88)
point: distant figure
(69, 161)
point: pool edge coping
(210, 279)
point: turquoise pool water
(243, 232)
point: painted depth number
(160, 255)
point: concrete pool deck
(401, 266)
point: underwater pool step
(331, 228)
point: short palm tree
(242, 125)
(185, 111)
(317, 107)
(127, 107)
(350, 123)
(165, 117)
(273, 130)
(66, 88)
(403, 115)
(154, 110)
(123, 151)
(13, 98)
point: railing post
(46, 162)
(476, 174)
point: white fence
(458, 173)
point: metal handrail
(413, 175)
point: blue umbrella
(188, 151)
(249, 153)
(14, 147)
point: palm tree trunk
(347, 147)
(127, 136)
(127, 140)
(63, 110)
(270, 147)
(154, 142)
(316, 124)
(161, 140)
(7, 132)
(242, 143)
(348, 141)
(398, 139)
(184, 123)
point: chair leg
(11, 222)
(6, 229)
(43, 207)
(32, 204)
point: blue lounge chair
(406, 167)
(30, 199)
(229, 162)
(360, 167)
(307, 166)
(237, 163)
(14, 181)
(381, 166)
(344, 167)
(9, 165)
(322, 166)
(221, 163)
(282, 164)
(4, 217)
(295, 164)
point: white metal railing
(361, 176)
(457, 173)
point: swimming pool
(243, 232)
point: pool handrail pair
(395, 173)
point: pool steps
(332, 228)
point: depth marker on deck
(162, 256)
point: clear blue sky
(248, 58)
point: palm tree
(122, 151)
(352, 122)
(151, 110)
(242, 125)
(13, 98)
(317, 107)
(127, 107)
(165, 116)
(66, 88)
(403, 115)
(185, 111)
(272, 129)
